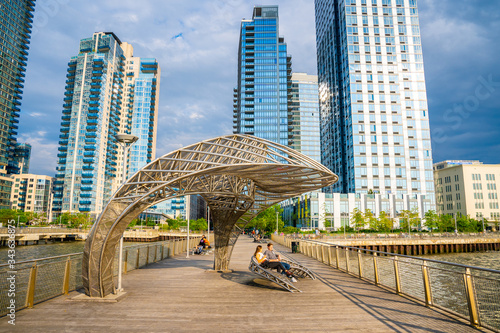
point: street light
(187, 217)
(277, 222)
(126, 141)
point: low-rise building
(5, 188)
(32, 193)
(467, 188)
(316, 209)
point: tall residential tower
(108, 91)
(373, 104)
(303, 115)
(264, 69)
(15, 33)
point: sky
(196, 45)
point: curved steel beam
(237, 175)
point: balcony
(90, 129)
(89, 154)
(85, 202)
(88, 168)
(87, 175)
(88, 160)
(86, 195)
(84, 209)
(62, 155)
(87, 181)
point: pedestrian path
(183, 295)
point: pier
(180, 295)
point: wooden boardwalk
(181, 295)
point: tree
(266, 220)
(431, 220)
(446, 223)
(198, 225)
(385, 222)
(174, 224)
(358, 219)
(411, 217)
(7, 215)
(371, 220)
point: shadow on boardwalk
(181, 295)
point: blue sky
(196, 44)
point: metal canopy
(238, 175)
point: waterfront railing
(38, 280)
(469, 292)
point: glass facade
(99, 104)
(15, 28)
(19, 162)
(373, 105)
(303, 118)
(142, 86)
(264, 69)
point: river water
(50, 249)
(489, 259)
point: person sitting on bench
(273, 256)
(266, 263)
(206, 242)
(201, 245)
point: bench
(268, 274)
(297, 269)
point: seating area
(296, 269)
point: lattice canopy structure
(238, 175)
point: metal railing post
(138, 258)
(471, 298)
(347, 260)
(375, 269)
(396, 275)
(162, 251)
(337, 256)
(147, 257)
(156, 250)
(427, 284)
(360, 265)
(329, 255)
(67, 268)
(30, 293)
(125, 262)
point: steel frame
(238, 175)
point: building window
(456, 178)
(457, 187)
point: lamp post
(456, 230)
(126, 141)
(208, 223)
(277, 222)
(187, 217)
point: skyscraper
(264, 69)
(15, 28)
(373, 105)
(15, 33)
(19, 162)
(303, 107)
(99, 104)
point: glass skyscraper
(108, 91)
(264, 69)
(373, 104)
(15, 27)
(19, 162)
(303, 117)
